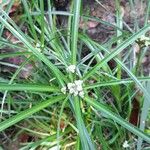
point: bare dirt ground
(106, 11)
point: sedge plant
(72, 99)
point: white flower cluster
(145, 39)
(38, 47)
(74, 88)
(71, 68)
(125, 144)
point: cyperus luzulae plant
(64, 78)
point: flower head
(70, 85)
(75, 93)
(146, 40)
(147, 43)
(78, 84)
(76, 88)
(63, 90)
(38, 47)
(125, 144)
(71, 68)
(81, 94)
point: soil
(106, 11)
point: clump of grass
(55, 114)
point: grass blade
(116, 82)
(28, 112)
(117, 50)
(118, 119)
(86, 142)
(144, 114)
(54, 69)
(75, 26)
(28, 87)
(33, 32)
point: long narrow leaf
(28, 87)
(117, 50)
(118, 119)
(144, 114)
(116, 82)
(86, 142)
(55, 70)
(28, 112)
(75, 26)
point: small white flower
(147, 43)
(125, 144)
(63, 90)
(79, 88)
(71, 90)
(78, 82)
(144, 38)
(81, 94)
(75, 93)
(71, 68)
(76, 88)
(38, 47)
(70, 85)
(55, 148)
